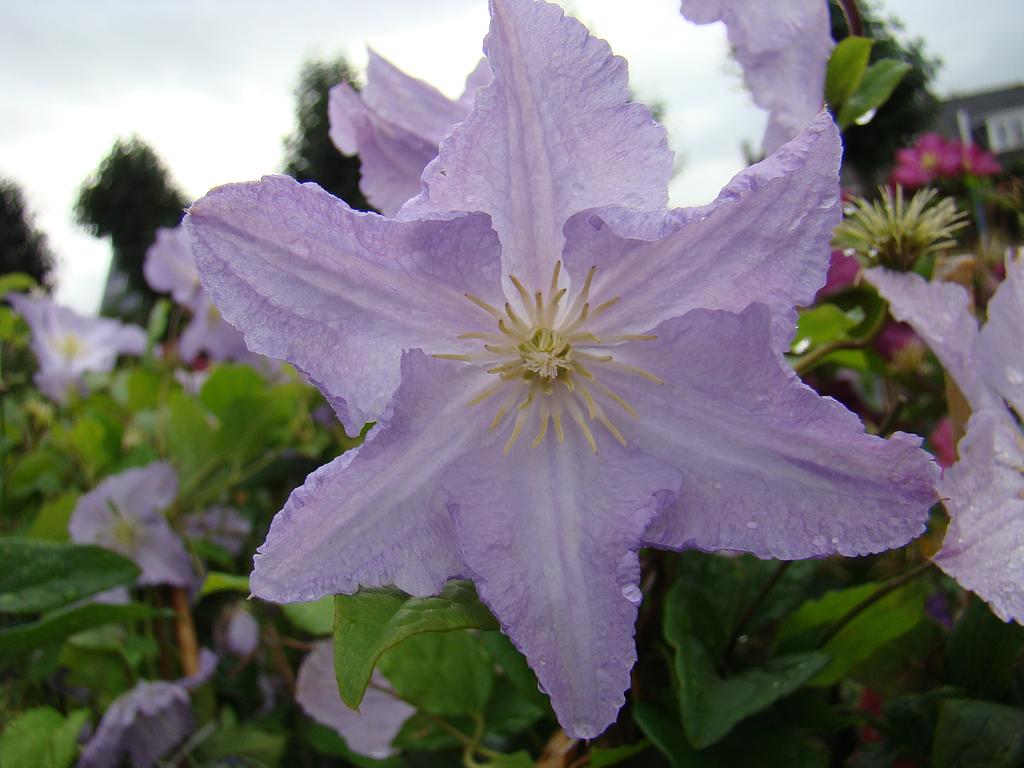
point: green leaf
(666, 733)
(316, 617)
(983, 650)
(216, 581)
(891, 617)
(846, 69)
(41, 738)
(190, 437)
(519, 759)
(978, 734)
(823, 324)
(42, 575)
(244, 740)
(513, 666)
(156, 326)
(55, 627)
(373, 620)
(874, 90)
(444, 673)
(16, 281)
(604, 758)
(711, 706)
(52, 521)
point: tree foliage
(309, 153)
(127, 198)
(23, 248)
(869, 148)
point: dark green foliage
(129, 197)
(310, 155)
(869, 149)
(22, 247)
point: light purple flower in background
(395, 124)
(984, 491)
(584, 380)
(239, 631)
(68, 345)
(170, 266)
(368, 731)
(224, 526)
(145, 723)
(125, 513)
(783, 47)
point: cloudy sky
(208, 83)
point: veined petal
(368, 731)
(392, 158)
(941, 314)
(768, 465)
(409, 102)
(550, 536)
(984, 494)
(783, 47)
(376, 515)
(339, 294)
(764, 239)
(1002, 338)
(554, 133)
(395, 125)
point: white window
(1005, 130)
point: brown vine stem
(185, 629)
(886, 589)
(852, 14)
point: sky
(209, 85)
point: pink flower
(942, 443)
(978, 162)
(932, 157)
(842, 272)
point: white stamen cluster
(545, 360)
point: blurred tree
(22, 247)
(310, 155)
(869, 149)
(127, 199)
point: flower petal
(124, 513)
(550, 535)
(392, 158)
(941, 314)
(764, 239)
(170, 266)
(368, 731)
(1002, 347)
(375, 515)
(144, 724)
(339, 294)
(783, 47)
(769, 467)
(984, 494)
(553, 134)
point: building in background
(993, 119)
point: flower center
(69, 346)
(547, 362)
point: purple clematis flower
(68, 345)
(224, 526)
(145, 723)
(783, 47)
(370, 730)
(170, 266)
(984, 490)
(395, 125)
(125, 513)
(578, 378)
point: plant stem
(886, 589)
(809, 361)
(852, 14)
(188, 644)
(769, 585)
